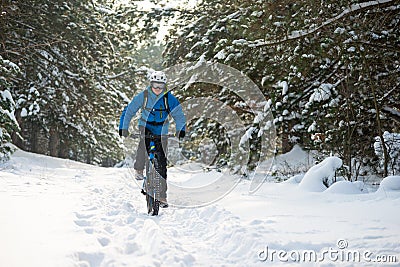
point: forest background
(329, 70)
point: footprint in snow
(104, 241)
(113, 213)
(91, 259)
(131, 248)
(82, 223)
(130, 219)
(83, 216)
(89, 231)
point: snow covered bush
(297, 161)
(392, 143)
(344, 187)
(322, 175)
(390, 183)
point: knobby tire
(153, 188)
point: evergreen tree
(8, 122)
(330, 68)
(78, 64)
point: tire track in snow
(114, 218)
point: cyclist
(156, 103)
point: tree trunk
(380, 133)
(33, 137)
(54, 142)
(17, 138)
(63, 151)
(378, 121)
(286, 146)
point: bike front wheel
(153, 188)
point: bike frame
(152, 183)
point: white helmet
(158, 76)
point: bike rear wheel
(149, 201)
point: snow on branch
(301, 33)
(128, 71)
(393, 112)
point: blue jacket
(155, 112)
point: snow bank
(343, 187)
(390, 183)
(295, 179)
(361, 186)
(319, 174)
(24, 161)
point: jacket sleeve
(131, 110)
(177, 114)
(121, 119)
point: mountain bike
(152, 182)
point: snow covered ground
(57, 212)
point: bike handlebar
(151, 136)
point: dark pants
(161, 150)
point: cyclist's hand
(123, 132)
(180, 134)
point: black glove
(123, 132)
(180, 134)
